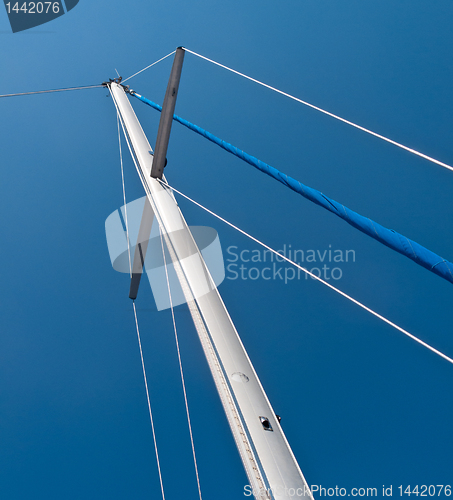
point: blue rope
(419, 254)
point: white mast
(269, 462)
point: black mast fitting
(166, 117)
(159, 162)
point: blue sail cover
(418, 253)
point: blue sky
(361, 405)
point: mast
(269, 462)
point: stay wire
(124, 195)
(135, 313)
(53, 90)
(332, 115)
(363, 306)
(180, 366)
(149, 402)
(138, 72)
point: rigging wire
(135, 311)
(138, 72)
(363, 129)
(180, 365)
(149, 402)
(124, 195)
(363, 306)
(53, 90)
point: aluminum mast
(269, 462)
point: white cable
(149, 403)
(124, 132)
(180, 365)
(124, 195)
(413, 337)
(54, 90)
(135, 311)
(138, 72)
(415, 152)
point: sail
(272, 469)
